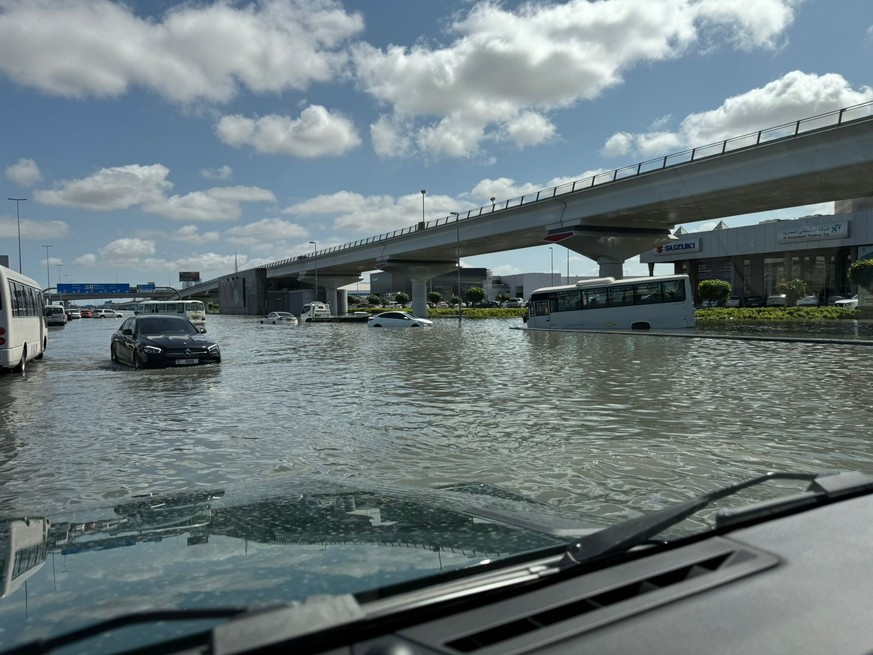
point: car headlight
(213, 348)
(152, 350)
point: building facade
(755, 258)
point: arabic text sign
(73, 289)
(837, 230)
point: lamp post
(493, 198)
(568, 266)
(60, 297)
(18, 219)
(48, 279)
(458, 255)
(423, 194)
(552, 267)
(315, 253)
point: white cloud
(24, 172)
(119, 187)
(375, 214)
(122, 250)
(123, 187)
(193, 52)
(32, 229)
(216, 204)
(192, 234)
(794, 96)
(221, 173)
(507, 69)
(268, 231)
(316, 133)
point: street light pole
(552, 267)
(60, 297)
(423, 194)
(48, 278)
(18, 218)
(315, 252)
(458, 255)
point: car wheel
(112, 354)
(377, 325)
(22, 365)
(44, 346)
(415, 325)
(138, 361)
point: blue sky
(156, 137)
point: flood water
(606, 424)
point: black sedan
(159, 340)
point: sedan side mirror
(201, 330)
(127, 331)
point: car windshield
(158, 326)
(638, 233)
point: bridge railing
(720, 148)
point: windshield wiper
(634, 532)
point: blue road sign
(145, 287)
(73, 289)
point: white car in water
(848, 303)
(397, 319)
(279, 318)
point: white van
(55, 315)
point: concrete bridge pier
(419, 273)
(609, 246)
(337, 298)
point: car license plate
(182, 362)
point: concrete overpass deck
(619, 213)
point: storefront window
(774, 273)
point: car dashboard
(795, 584)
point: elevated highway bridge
(608, 217)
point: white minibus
(23, 332)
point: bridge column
(337, 298)
(609, 246)
(419, 272)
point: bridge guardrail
(719, 148)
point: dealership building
(755, 258)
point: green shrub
(715, 291)
(861, 273)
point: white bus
(23, 549)
(643, 303)
(193, 310)
(23, 332)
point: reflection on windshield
(314, 537)
(152, 327)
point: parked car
(514, 302)
(279, 318)
(85, 313)
(489, 304)
(72, 314)
(106, 313)
(734, 301)
(158, 340)
(848, 303)
(807, 301)
(754, 301)
(397, 319)
(776, 300)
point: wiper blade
(634, 532)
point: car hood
(244, 547)
(175, 340)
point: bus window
(648, 292)
(595, 298)
(622, 295)
(674, 291)
(569, 301)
